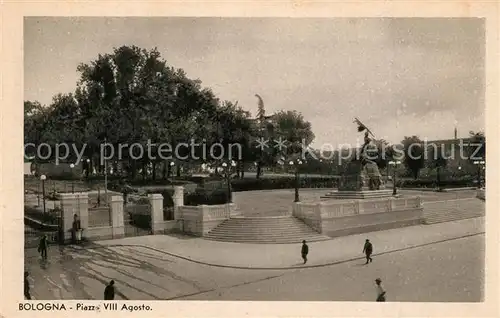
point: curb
(284, 267)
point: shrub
(141, 220)
(432, 183)
(284, 183)
(203, 196)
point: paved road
(450, 271)
(445, 272)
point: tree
(413, 155)
(477, 148)
(437, 161)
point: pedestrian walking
(380, 290)
(42, 247)
(304, 251)
(109, 291)
(368, 250)
(27, 294)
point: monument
(361, 178)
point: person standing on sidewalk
(42, 247)
(76, 230)
(380, 290)
(27, 294)
(368, 250)
(304, 251)
(109, 291)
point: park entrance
(137, 220)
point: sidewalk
(287, 256)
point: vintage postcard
(249, 159)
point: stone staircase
(453, 210)
(270, 230)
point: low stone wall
(345, 217)
(309, 213)
(361, 223)
(199, 220)
(481, 194)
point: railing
(338, 210)
(142, 209)
(99, 217)
(216, 212)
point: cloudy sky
(400, 76)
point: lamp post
(172, 164)
(88, 167)
(43, 178)
(72, 180)
(297, 164)
(38, 194)
(394, 165)
(480, 167)
(228, 168)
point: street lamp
(394, 165)
(72, 179)
(228, 171)
(43, 178)
(480, 166)
(172, 164)
(88, 167)
(297, 164)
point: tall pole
(229, 190)
(394, 191)
(297, 199)
(38, 194)
(105, 175)
(43, 193)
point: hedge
(284, 183)
(208, 197)
(432, 183)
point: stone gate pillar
(157, 220)
(117, 216)
(178, 199)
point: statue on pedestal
(362, 172)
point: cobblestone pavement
(448, 271)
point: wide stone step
(277, 240)
(264, 230)
(263, 233)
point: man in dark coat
(368, 250)
(109, 291)
(42, 247)
(27, 294)
(304, 251)
(380, 290)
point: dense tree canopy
(131, 95)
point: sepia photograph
(254, 159)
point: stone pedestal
(157, 221)
(117, 223)
(354, 183)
